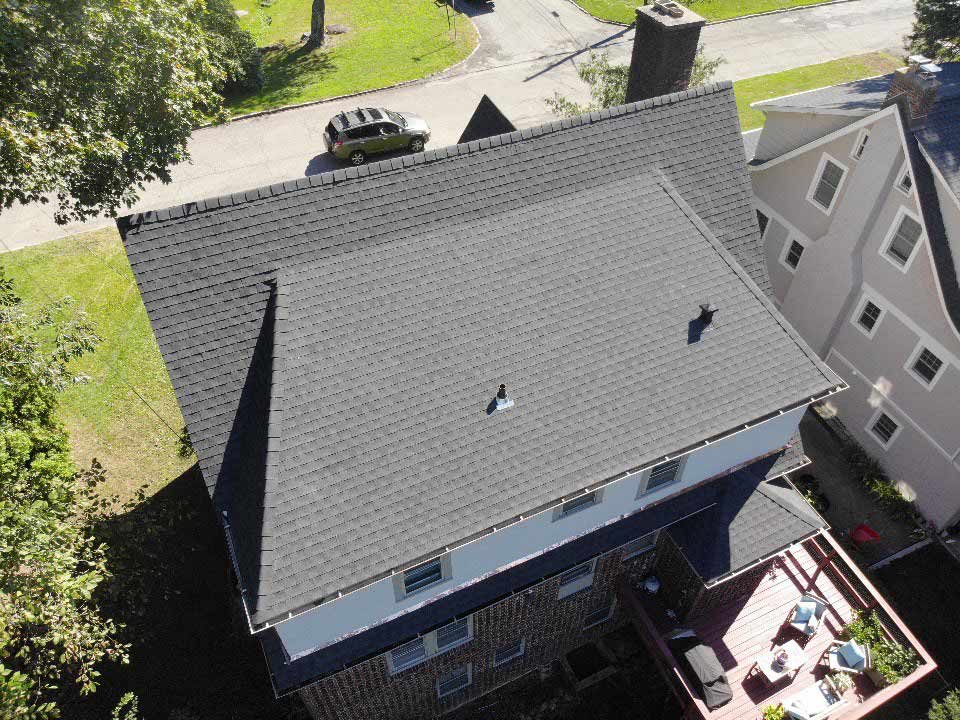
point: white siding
(377, 603)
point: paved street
(528, 50)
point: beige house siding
(843, 262)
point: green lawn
(390, 41)
(624, 11)
(105, 418)
(809, 77)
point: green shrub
(864, 628)
(891, 659)
(774, 712)
(872, 475)
(949, 709)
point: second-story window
(904, 240)
(442, 640)
(926, 366)
(576, 579)
(579, 503)
(794, 253)
(823, 193)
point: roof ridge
(338, 175)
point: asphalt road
(528, 50)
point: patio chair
(849, 657)
(807, 614)
(816, 702)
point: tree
(936, 30)
(949, 709)
(98, 97)
(52, 635)
(608, 83)
(317, 12)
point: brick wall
(679, 584)
(551, 627)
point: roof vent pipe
(503, 402)
(706, 314)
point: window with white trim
(861, 144)
(456, 679)
(904, 241)
(642, 544)
(905, 183)
(510, 652)
(869, 316)
(581, 502)
(826, 186)
(884, 428)
(664, 474)
(441, 640)
(598, 616)
(793, 254)
(926, 366)
(576, 579)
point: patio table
(772, 672)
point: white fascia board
(828, 138)
(765, 106)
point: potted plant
(774, 712)
(841, 681)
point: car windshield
(397, 118)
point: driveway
(529, 49)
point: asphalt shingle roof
(753, 519)
(864, 96)
(334, 340)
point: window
(926, 366)
(454, 680)
(406, 656)
(762, 221)
(793, 255)
(509, 652)
(860, 145)
(905, 183)
(640, 545)
(901, 244)
(422, 576)
(884, 429)
(826, 184)
(576, 579)
(664, 474)
(869, 315)
(456, 633)
(584, 501)
(600, 615)
(441, 640)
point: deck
(740, 631)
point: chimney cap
(919, 60)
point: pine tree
(936, 30)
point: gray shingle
(571, 277)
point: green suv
(355, 134)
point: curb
(721, 22)
(361, 93)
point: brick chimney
(918, 84)
(664, 49)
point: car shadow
(322, 163)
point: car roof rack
(360, 114)
(344, 119)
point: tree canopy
(52, 636)
(98, 97)
(936, 30)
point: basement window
(599, 616)
(869, 317)
(509, 652)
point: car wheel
(358, 157)
(416, 145)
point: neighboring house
(857, 191)
(443, 427)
